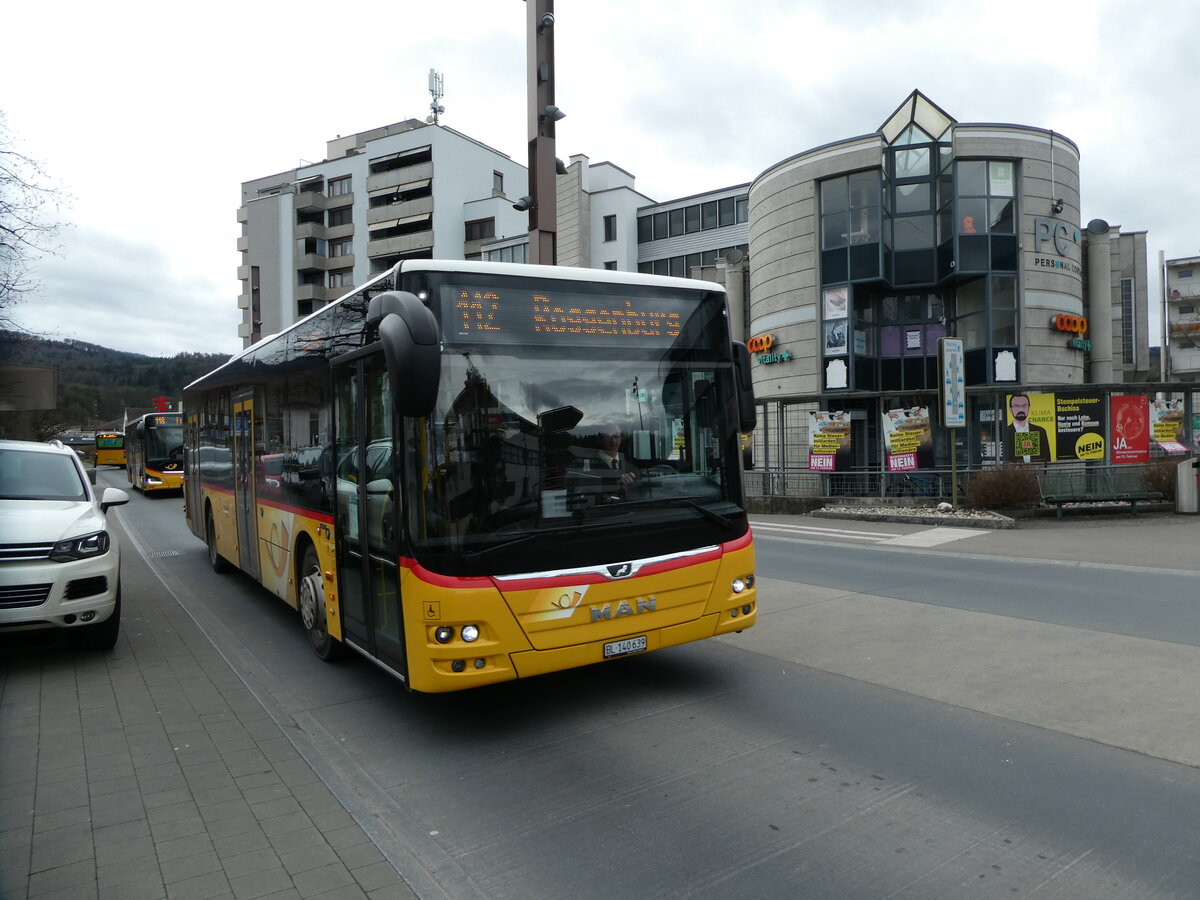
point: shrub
(1160, 476)
(1010, 486)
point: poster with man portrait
(1030, 427)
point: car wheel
(312, 609)
(102, 636)
(215, 559)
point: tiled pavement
(153, 772)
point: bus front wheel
(215, 559)
(312, 609)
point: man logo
(621, 570)
(761, 344)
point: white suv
(59, 566)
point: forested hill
(96, 384)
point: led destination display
(513, 316)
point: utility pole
(541, 201)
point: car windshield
(36, 475)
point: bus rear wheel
(312, 609)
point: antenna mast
(437, 91)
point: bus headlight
(444, 634)
(470, 633)
(738, 585)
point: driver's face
(1020, 408)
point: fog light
(87, 616)
(479, 663)
(444, 634)
(470, 633)
(738, 585)
(458, 665)
(733, 613)
(746, 609)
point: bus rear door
(243, 482)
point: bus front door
(367, 510)
(243, 483)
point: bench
(1095, 487)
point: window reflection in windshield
(522, 444)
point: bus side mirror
(412, 348)
(747, 409)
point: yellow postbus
(475, 472)
(154, 452)
(110, 448)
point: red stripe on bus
(298, 510)
(528, 584)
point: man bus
(154, 452)
(410, 467)
(110, 448)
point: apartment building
(409, 190)
(1181, 314)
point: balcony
(309, 292)
(422, 206)
(244, 329)
(397, 178)
(311, 201)
(243, 214)
(244, 300)
(243, 273)
(243, 244)
(310, 230)
(311, 262)
(407, 243)
(1187, 294)
(340, 200)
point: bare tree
(28, 222)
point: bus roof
(514, 270)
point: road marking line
(810, 530)
(932, 537)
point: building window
(305, 246)
(1184, 273)
(1128, 322)
(341, 278)
(518, 253)
(610, 228)
(611, 265)
(481, 229)
(343, 216)
(339, 186)
(690, 219)
(497, 182)
(344, 247)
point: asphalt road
(901, 723)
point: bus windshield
(164, 443)
(582, 446)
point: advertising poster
(1081, 425)
(1030, 426)
(909, 440)
(1130, 429)
(1166, 425)
(829, 440)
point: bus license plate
(621, 648)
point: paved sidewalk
(153, 772)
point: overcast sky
(150, 115)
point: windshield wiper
(575, 528)
(708, 513)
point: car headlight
(85, 547)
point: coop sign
(1071, 324)
(763, 345)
